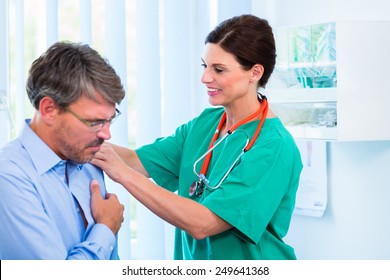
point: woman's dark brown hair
(250, 39)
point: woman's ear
(48, 110)
(257, 72)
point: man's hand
(108, 211)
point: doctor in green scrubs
(235, 167)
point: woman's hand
(160, 201)
(110, 162)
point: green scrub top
(257, 198)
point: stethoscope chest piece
(196, 188)
(193, 188)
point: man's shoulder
(12, 151)
(92, 169)
(14, 158)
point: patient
(54, 204)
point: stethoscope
(198, 186)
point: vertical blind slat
(176, 56)
(115, 51)
(4, 75)
(20, 92)
(148, 122)
(51, 22)
(85, 22)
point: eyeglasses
(95, 125)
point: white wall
(356, 224)
(293, 12)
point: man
(54, 203)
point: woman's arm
(130, 157)
(181, 212)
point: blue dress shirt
(39, 210)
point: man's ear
(48, 110)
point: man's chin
(84, 160)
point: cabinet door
(330, 80)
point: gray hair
(67, 71)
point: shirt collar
(42, 156)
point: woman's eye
(216, 69)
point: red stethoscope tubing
(263, 110)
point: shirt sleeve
(27, 232)
(99, 245)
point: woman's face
(225, 79)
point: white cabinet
(331, 80)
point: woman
(236, 201)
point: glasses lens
(98, 125)
(95, 125)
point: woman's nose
(206, 77)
